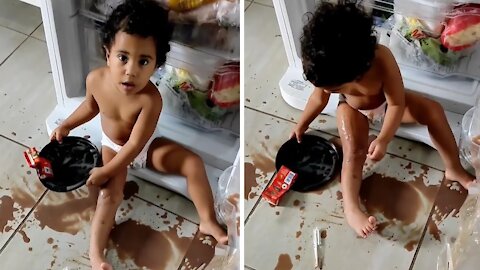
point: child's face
(131, 60)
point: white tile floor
(40, 229)
(400, 191)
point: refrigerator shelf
(225, 43)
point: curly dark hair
(145, 18)
(338, 44)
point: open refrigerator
(188, 82)
(451, 78)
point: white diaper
(141, 160)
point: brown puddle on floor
(399, 202)
(146, 246)
(250, 180)
(284, 262)
(26, 239)
(339, 195)
(6, 212)
(448, 202)
(200, 251)
(131, 188)
(67, 216)
(263, 163)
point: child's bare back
(367, 92)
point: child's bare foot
(214, 229)
(461, 176)
(99, 263)
(360, 223)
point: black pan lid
(71, 162)
(315, 160)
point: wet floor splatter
(250, 180)
(263, 163)
(447, 203)
(401, 203)
(284, 262)
(6, 212)
(147, 247)
(200, 251)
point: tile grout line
(14, 30)
(335, 135)
(262, 4)
(417, 250)
(35, 29)
(258, 201)
(15, 50)
(34, 32)
(12, 140)
(23, 221)
(249, 4)
(147, 201)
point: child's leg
(169, 157)
(353, 129)
(110, 197)
(419, 109)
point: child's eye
(122, 58)
(144, 62)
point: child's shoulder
(96, 76)
(383, 54)
(151, 93)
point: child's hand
(377, 149)
(59, 133)
(298, 132)
(98, 177)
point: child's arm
(84, 113)
(316, 103)
(395, 96)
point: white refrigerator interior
(456, 88)
(71, 31)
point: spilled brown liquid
(67, 216)
(23, 198)
(284, 262)
(391, 197)
(263, 163)
(6, 211)
(448, 202)
(26, 239)
(131, 188)
(410, 245)
(339, 195)
(400, 202)
(146, 246)
(250, 180)
(200, 251)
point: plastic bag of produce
(462, 29)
